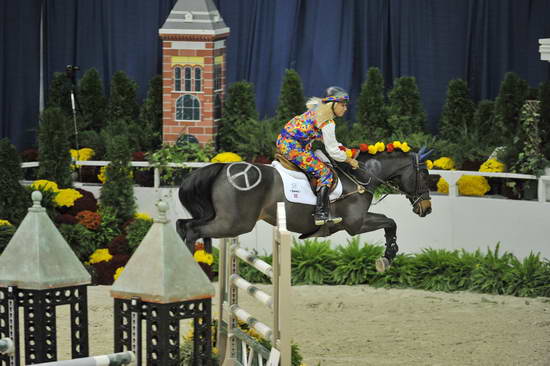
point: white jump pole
(115, 359)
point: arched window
(187, 78)
(198, 79)
(177, 79)
(217, 107)
(188, 108)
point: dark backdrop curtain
(19, 69)
(327, 42)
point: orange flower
(89, 219)
(363, 147)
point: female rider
(296, 139)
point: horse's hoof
(382, 264)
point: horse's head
(406, 170)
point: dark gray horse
(226, 200)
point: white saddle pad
(297, 188)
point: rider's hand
(354, 163)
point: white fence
(457, 221)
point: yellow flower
(380, 146)
(202, 257)
(100, 255)
(67, 197)
(442, 186)
(405, 147)
(444, 163)
(85, 153)
(143, 216)
(118, 272)
(5, 223)
(492, 165)
(226, 157)
(45, 185)
(471, 185)
(101, 176)
(429, 164)
(349, 153)
(372, 149)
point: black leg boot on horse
(322, 215)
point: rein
(361, 186)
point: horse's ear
(424, 153)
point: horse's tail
(195, 193)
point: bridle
(364, 186)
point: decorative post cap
(36, 197)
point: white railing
(451, 176)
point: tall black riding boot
(321, 215)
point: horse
(226, 200)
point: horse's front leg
(374, 221)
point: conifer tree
(405, 112)
(123, 100)
(14, 199)
(53, 147)
(508, 104)
(117, 193)
(544, 98)
(483, 120)
(371, 111)
(92, 99)
(151, 111)
(291, 101)
(530, 159)
(458, 111)
(239, 110)
(59, 93)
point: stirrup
(329, 220)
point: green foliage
(178, 154)
(6, 233)
(59, 93)
(291, 100)
(151, 112)
(93, 103)
(313, 262)
(117, 192)
(239, 110)
(371, 113)
(544, 98)
(405, 112)
(458, 111)
(14, 199)
(81, 240)
(530, 160)
(354, 264)
(529, 277)
(109, 227)
(136, 231)
(508, 104)
(483, 119)
(489, 275)
(123, 100)
(466, 148)
(260, 138)
(93, 140)
(53, 148)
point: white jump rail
(230, 282)
(451, 176)
(115, 359)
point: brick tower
(193, 70)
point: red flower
(389, 147)
(363, 147)
(354, 153)
(342, 148)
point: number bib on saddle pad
(297, 188)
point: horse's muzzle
(423, 208)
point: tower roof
(162, 269)
(194, 17)
(38, 257)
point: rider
(296, 139)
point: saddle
(287, 164)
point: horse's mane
(384, 154)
